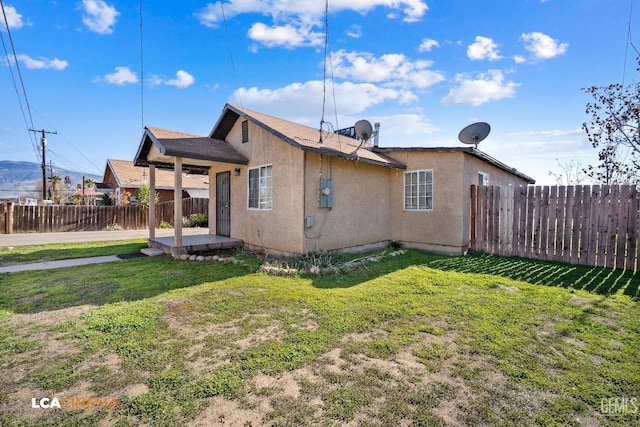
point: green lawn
(43, 253)
(415, 339)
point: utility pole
(43, 140)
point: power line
(233, 65)
(71, 144)
(141, 71)
(629, 42)
(324, 65)
(28, 125)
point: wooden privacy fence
(54, 218)
(589, 225)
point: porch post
(212, 201)
(152, 201)
(177, 201)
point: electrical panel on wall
(326, 193)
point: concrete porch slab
(151, 252)
(195, 243)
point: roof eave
(468, 150)
(178, 153)
(230, 108)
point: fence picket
(612, 225)
(596, 226)
(54, 218)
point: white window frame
(417, 207)
(485, 178)
(265, 189)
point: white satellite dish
(474, 133)
(364, 130)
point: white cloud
(394, 69)
(355, 31)
(182, 80)
(489, 86)
(301, 103)
(121, 77)
(211, 14)
(298, 101)
(483, 48)
(42, 63)
(543, 46)
(98, 16)
(400, 129)
(547, 133)
(519, 59)
(14, 19)
(427, 44)
(289, 35)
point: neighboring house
(288, 188)
(88, 195)
(124, 177)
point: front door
(223, 199)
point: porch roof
(161, 146)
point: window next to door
(260, 188)
(418, 190)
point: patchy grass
(43, 253)
(416, 339)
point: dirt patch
(48, 319)
(223, 412)
(510, 289)
(584, 302)
(55, 348)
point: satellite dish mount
(474, 133)
(364, 130)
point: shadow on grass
(366, 271)
(597, 280)
(99, 284)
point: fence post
(474, 219)
(3, 218)
(506, 223)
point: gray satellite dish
(364, 130)
(474, 133)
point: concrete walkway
(27, 239)
(63, 263)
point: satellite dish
(364, 130)
(474, 133)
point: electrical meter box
(326, 193)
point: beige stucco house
(287, 188)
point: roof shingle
(304, 137)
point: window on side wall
(260, 188)
(418, 190)
(483, 178)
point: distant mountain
(24, 179)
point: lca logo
(74, 402)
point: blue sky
(423, 69)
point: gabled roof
(303, 137)
(468, 150)
(195, 150)
(127, 175)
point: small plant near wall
(165, 224)
(200, 219)
(195, 220)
